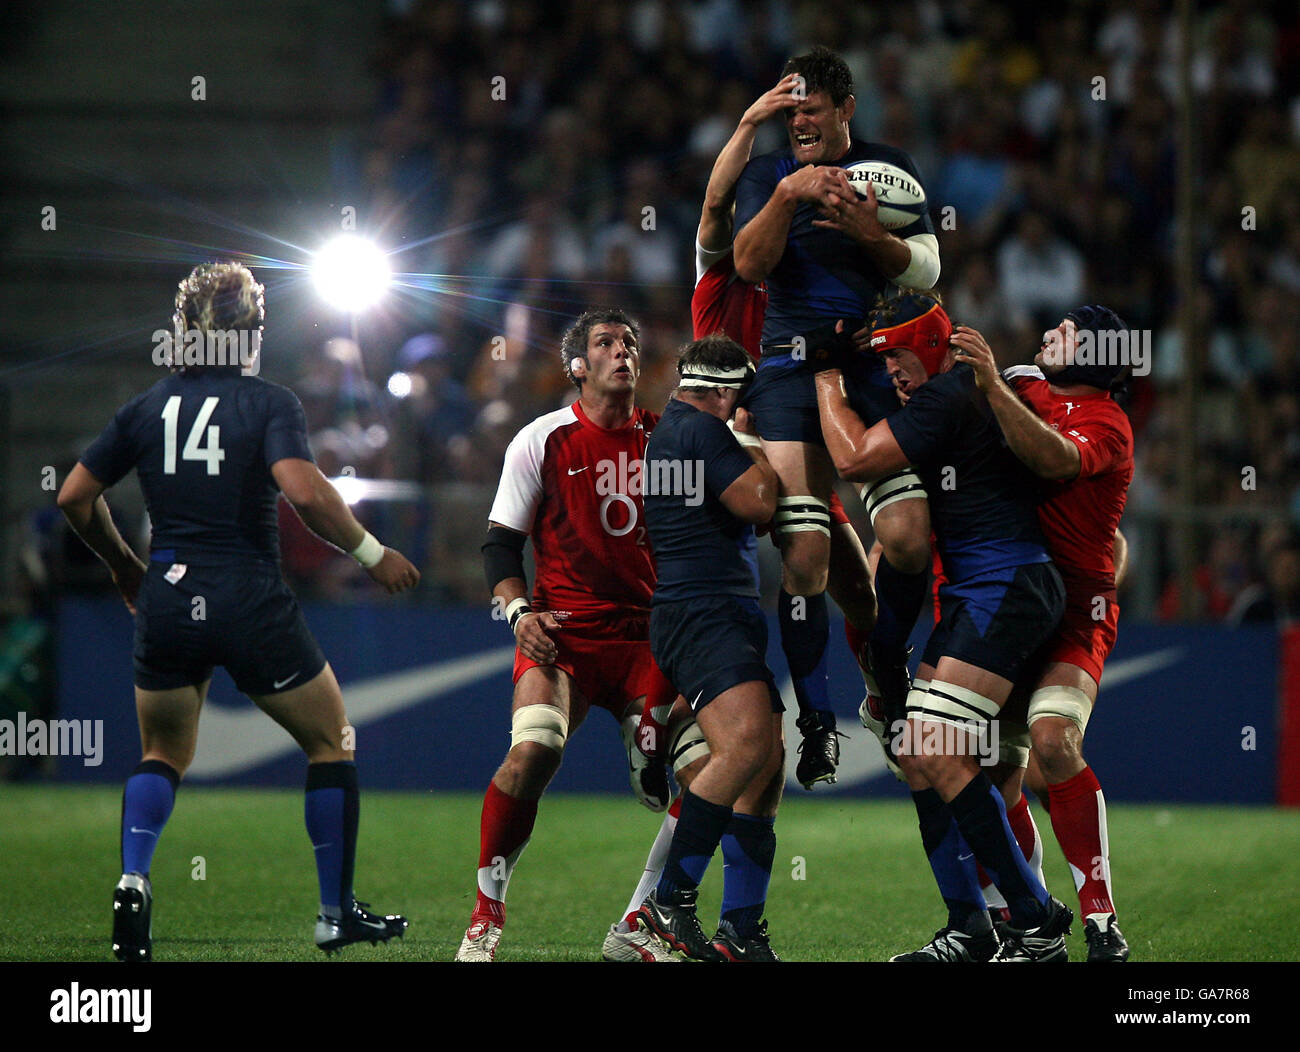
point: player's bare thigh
(169, 723)
(804, 470)
(314, 715)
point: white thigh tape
(544, 724)
(802, 515)
(1066, 702)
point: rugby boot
(950, 946)
(735, 947)
(357, 925)
(1105, 944)
(132, 918)
(674, 923)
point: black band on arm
(503, 555)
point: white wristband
(516, 609)
(369, 552)
(746, 441)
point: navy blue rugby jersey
(823, 275)
(203, 447)
(698, 544)
(983, 500)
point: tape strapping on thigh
(801, 515)
(543, 724)
(948, 703)
(1069, 703)
(901, 485)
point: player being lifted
(1060, 419)
(722, 302)
(710, 638)
(211, 448)
(820, 248)
(1001, 600)
(571, 483)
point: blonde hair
(219, 297)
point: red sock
(857, 644)
(1021, 820)
(505, 827)
(1079, 821)
(652, 729)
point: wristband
(746, 441)
(369, 552)
(516, 609)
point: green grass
(1193, 883)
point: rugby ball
(900, 198)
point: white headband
(710, 376)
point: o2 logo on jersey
(619, 481)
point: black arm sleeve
(503, 555)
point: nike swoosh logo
(579, 471)
(281, 682)
(149, 831)
(963, 858)
(231, 741)
(322, 847)
(862, 764)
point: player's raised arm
(328, 516)
(81, 499)
(1046, 452)
(714, 233)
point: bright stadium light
(351, 273)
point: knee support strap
(544, 724)
(801, 515)
(901, 485)
(1068, 703)
(687, 746)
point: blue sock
(957, 877)
(804, 639)
(332, 812)
(699, 830)
(748, 848)
(982, 817)
(146, 805)
(899, 598)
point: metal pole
(1184, 528)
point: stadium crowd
(535, 160)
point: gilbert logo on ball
(899, 196)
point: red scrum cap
(912, 322)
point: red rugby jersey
(722, 302)
(575, 488)
(1079, 516)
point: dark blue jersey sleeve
(713, 444)
(755, 186)
(286, 428)
(113, 453)
(927, 425)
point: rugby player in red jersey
(572, 481)
(1060, 419)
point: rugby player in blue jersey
(705, 486)
(213, 448)
(1001, 601)
(825, 256)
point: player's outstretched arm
(81, 499)
(714, 233)
(1047, 453)
(760, 243)
(328, 516)
(859, 454)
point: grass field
(1193, 883)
